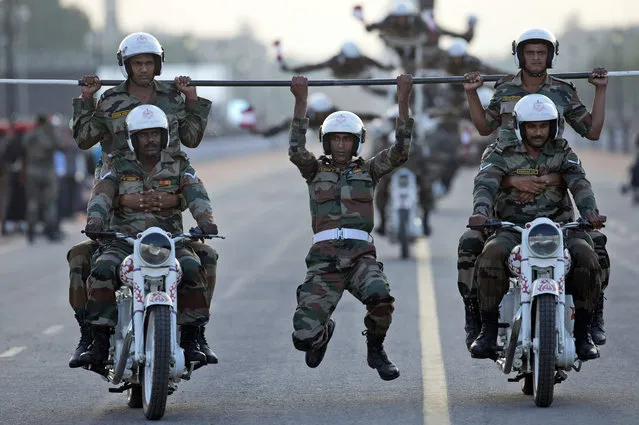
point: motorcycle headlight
(155, 249)
(543, 240)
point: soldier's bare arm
(304, 160)
(472, 82)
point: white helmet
(320, 102)
(535, 107)
(458, 48)
(350, 50)
(136, 44)
(485, 95)
(343, 122)
(144, 117)
(539, 35)
(404, 8)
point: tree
(52, 26)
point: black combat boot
(586, 348)
(377, 358)
(85, 340)
(188, 341)
(99, 349)
(426, 224)
(473, 320)
(314, 357)
(484, 345)
(597, 330)
(211, 358)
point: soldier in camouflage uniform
(41, 179)
(534, 52)
(147, 166)
(348, 63)
(140, 57)
(405, 28)
(341, 201)
(539, 151)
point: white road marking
(52, 330)
(433, 374)
(12, 352)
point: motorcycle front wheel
(154, 374)
(544, 347)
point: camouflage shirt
(554, 203)
(105, 122)
(344, 198)
(124, 175)
(39, 147)
(510, 89)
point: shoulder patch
(510, 98)
(120, 114)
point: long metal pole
(287, 83)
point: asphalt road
(260, 203)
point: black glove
(94, 225)
(209, 228)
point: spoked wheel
(543, 353)
(402, 234)
(154, 374)
(134, 397)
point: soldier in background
(41, 181)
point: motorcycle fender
(157, 298)
(545, 286)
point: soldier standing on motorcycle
(539, 151)
(148, 166)
(140, 57)
(343, 257)
(535, 51)
(348, 63)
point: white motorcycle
(404, 211)
(144, 354)
(536, 316)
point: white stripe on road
(12, 352)
(52, 330)
(433, 374)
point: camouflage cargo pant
(42, 199)
(471, 244)
(79, 258)
(335, 266)
(101, 309)
(583, 281)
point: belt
(341, 234)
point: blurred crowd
(41, 164)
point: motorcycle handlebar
(131, 238)
(580, 224)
